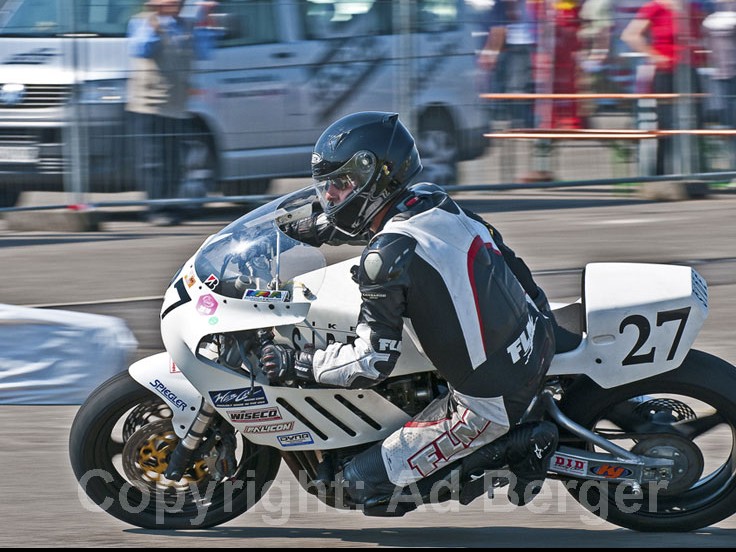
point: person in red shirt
(668, 32)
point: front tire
(687, 415)
(119, 445)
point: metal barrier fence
(277, 73)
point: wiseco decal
(257, 415)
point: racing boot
(367, 484)
(529, 447)
(474, 466)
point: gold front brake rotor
(146, 458)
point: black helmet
(374, 155)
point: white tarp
(56, 356)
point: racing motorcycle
(193, 437)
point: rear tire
(692, 419)
(121, 412)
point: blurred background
(504, 91)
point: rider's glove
(284, 365)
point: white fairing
(641, 320)
(160, 375)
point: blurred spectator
(668, 33)
(720, 35)
(163, 45)
(565, 113)
(508, 54)
(596, 33)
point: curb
(674, 190)
(61, 220)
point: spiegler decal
(257, 415)
(293, 439)
(270, 428)
(238, 398)
(567, 464)
(167, 394)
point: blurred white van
(281, 72)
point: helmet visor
(339, 187)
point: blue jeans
(158, 156)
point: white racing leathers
(438, 267)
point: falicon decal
(270, 428)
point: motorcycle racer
(476, 310)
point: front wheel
(688, 416)
(119, 446)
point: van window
(255, 22)
(48, 18)
(437, 15)
(345, 18)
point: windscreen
(53, 18)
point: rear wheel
(688, 416)
(120, 444)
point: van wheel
(9, 194)
(438, 148)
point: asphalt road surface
(123, 269)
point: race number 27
(635, 356)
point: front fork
(183, 454)
(619, 465)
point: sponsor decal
(562, 463)
(207, 305)
(269, 428)
(389, 345)
(293, 439)
(610, 472)
(524, 345)
(266, 295)
(211, 281)
(257, 415)
(238, 398)
(172, 367)
(167, 394)
(450, 442)
(190, 279)
(213, 320)
(316, 158)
